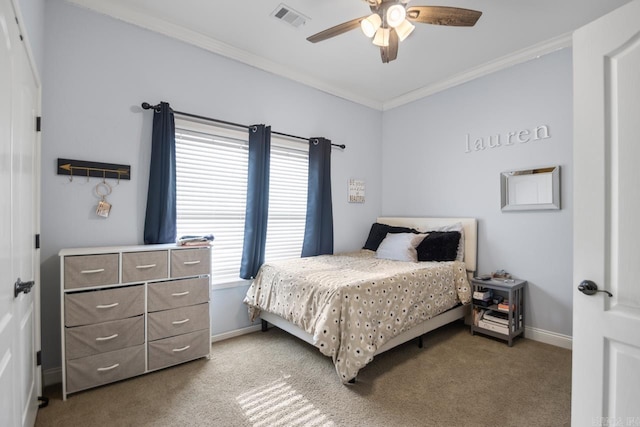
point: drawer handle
(142, 267)
(108, 368)
(107, 305)
(191, 262)
(178, 350)
(98, 270)
(180, 294)
(180, 322)
(110, 337)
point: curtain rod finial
(147, 106)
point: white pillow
(400, 246)
(454, 227)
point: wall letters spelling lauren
(498, 140)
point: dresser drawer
(83, 341)
(177, 293)
(170, 351)
(104, 368)
(143, 266)
(190, 262)
(84, 308)
(168, 323)
(90, 270)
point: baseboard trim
(548, 337)
(52, 376)
(235, 333)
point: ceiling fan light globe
(403, 30)
(370, 24)
(396, 15)
(382, 37)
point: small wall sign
(356, 191)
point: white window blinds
(211, 182)
(287, 200)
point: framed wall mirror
(530, 189)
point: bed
(354, 306)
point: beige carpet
(273, 379)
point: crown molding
(518, 57)
(207, 43)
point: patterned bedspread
(354, 303)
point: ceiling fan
(390, 23)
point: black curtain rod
(147, 106)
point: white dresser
(128, 310)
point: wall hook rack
(87, 169)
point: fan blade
(335, 31)
(443, 15)
(389, 53)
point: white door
(606, 329)
(19, 379)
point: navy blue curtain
(160, 218)
(318, 233)
(255, 223)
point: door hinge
(37, 241)
(39, 358)
(19, 29)
(38, 123)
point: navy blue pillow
(439, 246)
(379, 231)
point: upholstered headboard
(470, 226)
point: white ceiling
(432, 58)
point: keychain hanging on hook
(103, 189)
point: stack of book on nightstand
(504, 306)
(495, 321)
(483, 298)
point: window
(211, 182)
(287, 199)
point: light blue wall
(32, 12)
(99, 70)
(428, 172)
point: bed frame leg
(420, 341)
(264, 325)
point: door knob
(588, 287)
(21, 286)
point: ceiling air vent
(285, 14)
